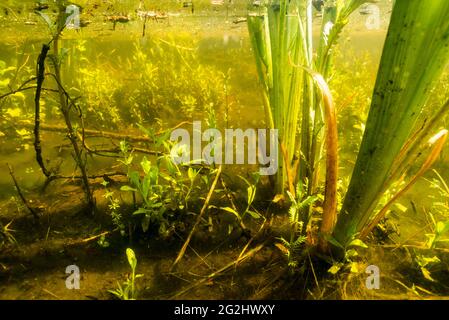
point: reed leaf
(415, 54)
(437, 142)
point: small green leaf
(290, 196)
(335, 268)
(426, 274)
(126, 188)
(228, 209)
(254, 214)
(401, 207)
(442, 227)
(146, 165)
(357, 243)
(351, 253)
(132, 260)
(141, 211)
(354, 267)
(191, 173)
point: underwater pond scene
(224, 150)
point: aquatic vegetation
(249, 208)
(128, 291)
(6, 234)
(297, 98)
(299, 221)
(413, 59)
(101, 108)
(280, 38)
(163, 80)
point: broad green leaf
(145, 187)
(415, 54)
(134, 177)
(334, 242)
(154, 175)
(146, 165)
(141, 211)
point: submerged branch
(22, 197)
(101, 133)
(40, 77)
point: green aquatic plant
(297, 99)
(298, 103)
(415, 54)
(114, 207)
(251, 190)
(163, 191)
(299, 221)
(6, 234)
(171, 82)
(437, 214)
(128, 291)
(281, 35)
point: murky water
(186, 67)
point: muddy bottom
(213, 266)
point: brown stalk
(331, 136)
(330, 194)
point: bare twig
(65, 103)
(22, 197)
(229, 266)
(203, 210)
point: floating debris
(40, 6)
(239, 20)
(118, 19)
(153, 15)
(188, 4)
